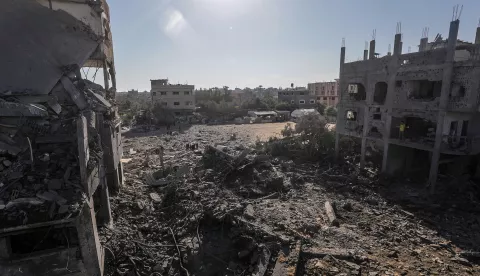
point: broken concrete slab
(77, 96)
(331, 214)
(287, 260)
(24, 201)
(98, 98)
(55, 38)
(11, 109)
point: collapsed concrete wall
(46, 45)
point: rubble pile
(41, 101)
(232, 209)
(39, 171)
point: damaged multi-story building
(60, 143)
(432, 93)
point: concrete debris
(155, 197)
(152, 181)
(235, 207)
(77, 97)
(11, 109)
(24, 201)
(249, 212)
(331, 213)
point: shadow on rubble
(452, 212)
(146, 131)
(226, 248)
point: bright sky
(264, 42)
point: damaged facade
(60, 145)
(434, 92)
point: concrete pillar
(392, 68)
(340, 109)
(446, 87)
(397, 45)
(372, 50)
(477, 36)
(423, 44)
(365, 54)
(106, 80)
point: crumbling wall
(376, 122)
(465, 88)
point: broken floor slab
(10, 109)
(40, 43)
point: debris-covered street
(227, 208)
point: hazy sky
(264, 42)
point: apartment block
(178, 97)
(299, 97)
(326, 92)
(433, 94)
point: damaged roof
(41, 44)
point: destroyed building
(60, 144)
(434, 92)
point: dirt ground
(239, 219)
(251, 132)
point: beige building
(178, 97)
(326, 92)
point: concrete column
(366, 116)
(423, 44)
(372, 50)
(397, 45)
(365, 54)
(105, 79)
(340, 108)
(446, 87)
(392, 68)
(477, 36)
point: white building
(178, 97)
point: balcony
(460, 145)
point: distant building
(132, 93)
(298, 97)
(180, 98)
(326, 92)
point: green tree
(320, 108)
(331, 111)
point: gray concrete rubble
(242, 209)
(59, 141)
